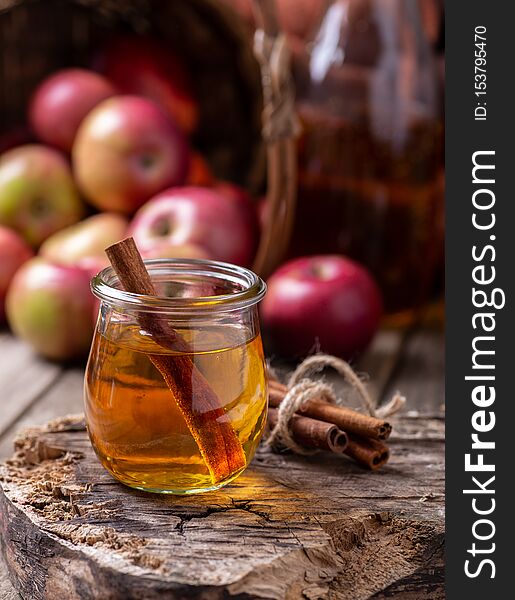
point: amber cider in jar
(149, 433)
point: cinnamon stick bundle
(346, 419)
(311, 433)
(211, 428)
(368, 452)
(362, 430)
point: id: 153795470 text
(480, 72)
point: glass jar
(180, 411)
(371, 152)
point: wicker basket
(40, 36)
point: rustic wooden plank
(426, 579)
(24, 377)
(420, 373)
(381, 361)
(64, 396)
(314, 527)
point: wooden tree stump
(289, 527)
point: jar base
(162, 481)
(177, 492)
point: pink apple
(50, 306)
(93, 264)
(148, 67)
(127, 150)
(61, 102)
(37, 193)
(86, 239)
(235, 193)
(175, 251)
(224, 224)
(14, 251)
(328, 302)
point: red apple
(92, 265)
(147, 67)
(224, 225)
(328, 302)
(86, 239)
(14, 251)
(37, 193)
(127, 150)
(175, 251)
(241, 196)
(50, 306)
(61, 102)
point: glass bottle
(148, 433)
(371, 152)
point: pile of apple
(113, 140)
(110, 155)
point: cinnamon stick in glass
(346, 419)
(313, 434)
(370, 453)
(201, 408)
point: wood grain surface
(290, 527)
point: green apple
(50, 306)
(37, 193)
(86, 239)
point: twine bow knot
(302, 389)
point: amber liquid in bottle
(379, 204)
(134, 423)
(370, 151)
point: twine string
(296, 398)
(302, 388)
(319, 362)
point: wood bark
(289, 527)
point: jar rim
(253, 287)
